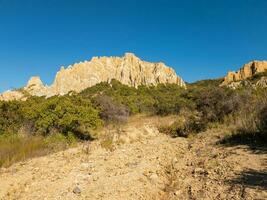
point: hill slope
(148, 165)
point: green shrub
(63, 114)
(11, 116)
(251, 119)
(262, 119)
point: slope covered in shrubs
(79, 115)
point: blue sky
(200, 39)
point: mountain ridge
(129, 70)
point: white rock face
(35, 87)
(12, 95)
(129, 70)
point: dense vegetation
(79, 115)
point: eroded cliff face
(247, 71)
(129, 70)
(12, 95)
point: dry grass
(108, 135)
(139, 120)
(14, 148)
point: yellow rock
(129, 70)
(247, 71)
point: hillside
(116, 141)
(146, 165)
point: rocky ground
(138, 162)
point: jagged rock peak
(34, 81)
(247, 71)
(129, 70)
(131, 56)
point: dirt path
(148, 165)
(133, 170)
(209, 170)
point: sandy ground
(142, 164)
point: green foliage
(262, 119)
(80, 114)
(205, 83)
(38, 125)
(46, 116)
(250, 120)
(63, 114)
(10, 116)
(115, 102)
(161, 99)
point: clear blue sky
(200, 39)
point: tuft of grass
(107, 144)
(185, 125)
(15, 147)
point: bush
(162, 99)
(251, 120)
(110, 110)
(262, 119)
(11, 116)
(250, 124)
(64, 115)
(41, 116)
(213, 103)
(187, 123)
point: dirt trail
(147, 165)
(208, 170)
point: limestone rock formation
(247, 71)
(129, 70)
(35, 87)
(12, 95)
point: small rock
(77, 190)
(200, 171)
(3, 170)
(95, 178)
(154, 178)
(176, 193)
(174, 160)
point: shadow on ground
(252, 178)
(256, 142)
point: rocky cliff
(248, 70)
(129, 70)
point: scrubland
(197, 129)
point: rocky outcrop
(36, 87)
(12, 95)
(262, 82)
(247, 71)
(129, 70)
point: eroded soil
(142, 164)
